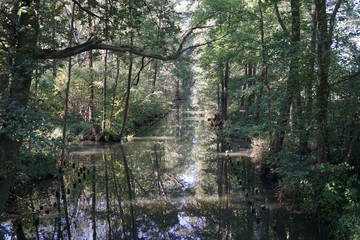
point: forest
(283, 75)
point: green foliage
(144, 109)
(10, 119)
(326, 191)
(246, 128)
(77, 130)
(37, 165)
(348, 225)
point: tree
(292, 94)
(325, 30)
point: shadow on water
(173, 182)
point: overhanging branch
(100, 45)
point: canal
(172, 181)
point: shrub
(37, 166)
(326, 191)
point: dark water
(171, 182)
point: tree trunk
(353, 139)
(308, 113)
(155, 76)
(67, 90)
(104, 117)
(114, 88)
(251, 97)
(322, 88)
(224, 91)
(90, 109)
(264, 70)
(130, 193)
(127, 100)
(292, 86)
(19, 93)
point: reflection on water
(173, 182)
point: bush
(37, 166)
(325, 191)
(78, 128)
(348, 225)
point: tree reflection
(179, 184)
(130, 193)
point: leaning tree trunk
(128, 88)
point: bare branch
(143, 65)
(204, 43)
(333, 18)
(87, 10)
(278, 16)
(352, 77)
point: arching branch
(99, 45)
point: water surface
(174, 181)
